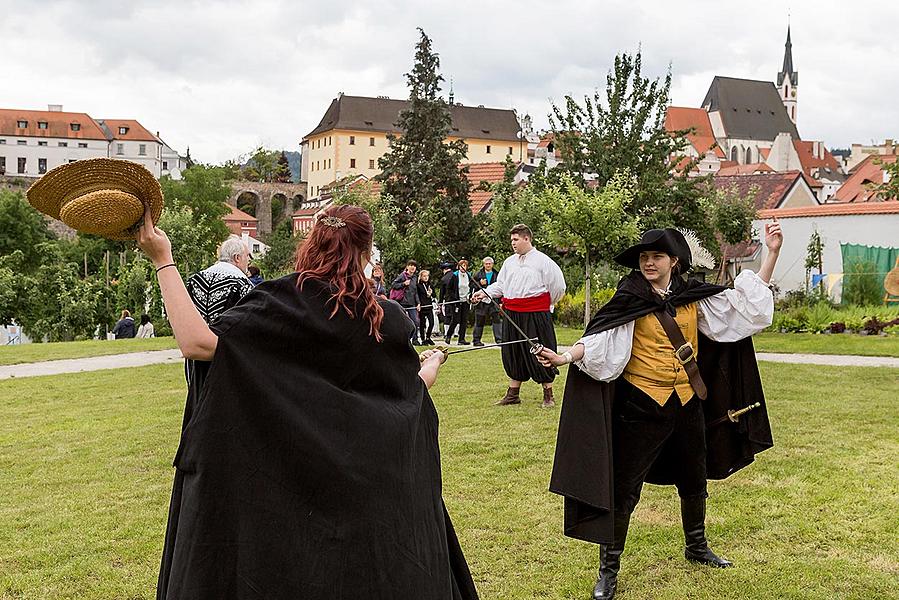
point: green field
(85, 469)
(26, 353)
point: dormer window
(123, 130)
(21, 124)
(75, 126)
(41, 124)
(369, 123)
(485, 131)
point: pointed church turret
(788, 79)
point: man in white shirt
(529, 283)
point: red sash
(532, 304)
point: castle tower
(788, 80)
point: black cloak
(582, 469)
(310, 466)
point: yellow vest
(653, 368)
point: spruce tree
(421, 170)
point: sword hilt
(734, 415)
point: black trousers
(643, 432)
(518, 362)
(426, 322)
(460, 319)
(481, 317)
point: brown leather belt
(685, 353)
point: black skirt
(518, 361)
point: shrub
(861, 285)
(570, 309)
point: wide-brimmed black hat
(669, 241)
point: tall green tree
(281, 256)
(267, 166)
(592, 224)
(624, 129)
(22, 228)
(421, 171)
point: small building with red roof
(859, 186)
(240, 223)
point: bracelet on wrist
(158, 269)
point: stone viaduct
(260, 195)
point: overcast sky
(223, 77)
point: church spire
(788, 79)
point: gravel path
(139, 359)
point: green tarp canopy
(881, 259)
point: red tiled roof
(865, 174)
(58, 124)
(238, 215)
(833, 210)
(745, 169)
(678, 118)
(135, 131)
(546, 140)
(771, 188)
(810, 162)
(741, 250)
(489, 173)
(307, 212)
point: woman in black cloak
(310, 468)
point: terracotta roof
(741, 250)
(749, 109)
(58, 124)
(134, 130)
(238, 215)
(811, 163)
(307, 212)
(491, 173)
(833, 210)
(867, 173)
(745, 169)
(359, 113)
(546, 140)
(678, 118)
(772, 188)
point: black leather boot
(610, 560)
(692, 512)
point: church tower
(788, 80)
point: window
(21, 165)
(63, 144)
(2, 141)
(488, 148)
(71, 160)
(317, 165)
(120, 149)
(748, 156)
(22, 142)
(75, 126)
(21, 124)
(256, 248)
(352, 163)
(123, 130)
(42, 165)
(2, 165)
(165, 165)
(733, 154)
(42, 143)
(510, 150)
(371, 163)
(352, 140)
(41, 124)
(371, 141)
(142, 149)
(82, 144)
(329, 163)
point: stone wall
(264, 193)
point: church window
(748, 156)
(733, 154)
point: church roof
(749, 109)
(360, 113)
(702, 138)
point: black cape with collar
(582, 469)
(311, 466)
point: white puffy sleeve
(606, 353)
(553, 279)
(738, 313)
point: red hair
(332, 252)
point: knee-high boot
(610, 559)
(692, 512)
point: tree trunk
(587, 289)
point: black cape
(310, 465)
(582, 469)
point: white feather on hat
(700, 257)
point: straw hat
(101, 196)
(891, 282)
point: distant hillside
(293, 159)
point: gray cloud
(223, 77)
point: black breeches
(518, 362)
(426, 322)
(642, 431)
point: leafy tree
(730, 214)
(593, 225)
(420, 171)
(814, 259)
(889, 189)
(281, 256)
(194, 245)
(624, 129)
(22, 228)
(267, 166)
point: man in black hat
(670, 421)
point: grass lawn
(27, 353)
(85, 470)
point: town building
(34, 141)
(352, 136)
(863, 178)
(239, 222)
(859, 152)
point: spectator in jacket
(377, 282)
(124, 328)
(486, 311)
(146, 328)
(405, 291)
(426, 312)
(255, 277)
(459, 287)
(443, 314)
